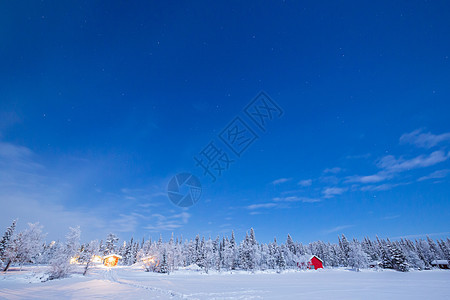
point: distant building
(441, 263)
(111, 260)
(375, 264)
(312, 263)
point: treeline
(220, 254)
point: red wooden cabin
(111, 260)
(313, 263)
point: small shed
(312, 262)
(441, 264)
(315, 263)
(111, 260)
(375, 264)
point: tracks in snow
(111, 275)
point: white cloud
(391, 217)
(330, 192)
(334, 170)
(392, 164)
(381, 187)
(162, 223)
(337, 228)
(281, 180)
(305, 183)
(381, 176)
(261, 205)
(296, 199)
(424, 139)
(435, 175)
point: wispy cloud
(334, 170)
(380, 176)
(392, 164)
(436, 175)
(391, 217)
(162, 222)
(305, 182)
(330, 192)
(381, 187)
(337, 228)
(296, 199)
(424, 139)
(281, 180)
(261, 205)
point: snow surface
(134, 283)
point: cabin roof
(112, 255)
(440, 262)
(315, 257)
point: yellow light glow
(96, 259)
(74, 260)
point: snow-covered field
(133, 283)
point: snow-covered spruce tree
(290, 244)
(110, 244)
(164, 267)
(445, 250)
(247, 254)
(200, 254)
(424, 252)
(233, 251)
(370, 249)
(208, 255)
(26, 246)
(60, 266)
(6, 242)
(435, 250)
(134, 253)
(7, 238)
(127, 253)
(398, 258)
(345, 248)
(217, 254)
(87, 254)
(280, 261)
(414, 260)
(357, 258)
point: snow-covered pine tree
(60, 264)
(88, 253)
(345, 248)
(445, 250)
(6, 239)
(357, 258)
(398, 258)
(233, 262)
(26, 246)
(164, 267)
(386, 258)
(424, 252)
(280, 261)
(247, 259)
(110, 244)
(435, 250)
(6, 242)
(216, 254)
(290, 244)
(134, 252)
(127, 253)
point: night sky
(102, 103)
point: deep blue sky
(101, 103)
